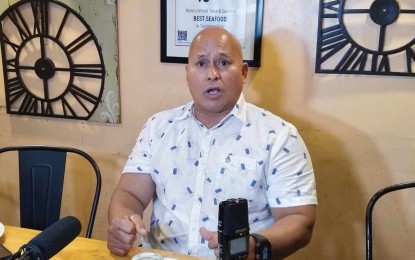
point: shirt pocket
(240, 177)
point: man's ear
(245, 67)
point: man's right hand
(123, 232)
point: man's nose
(213, 73)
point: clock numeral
(67, 109)
(79, 42)
(17, 18)
(410, 58)
(15, 89)
(81, 94)
(333, 40)
(349, 61)
(32, 105)
(88, 70)
(6, 40)
(361, 62)
(29, 105)
(41, 17)
(332, 5)
(11, 65)
(383, 65)
(64, 19)
(333, 8)
(46, 108)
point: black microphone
(51, 240)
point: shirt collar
(238, 111)
(186, 111)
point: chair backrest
(41, 179)
(369, 211)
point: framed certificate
(181, 20)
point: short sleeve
(290, 176)
(139, 159)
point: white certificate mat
(1, 229)
(181, 20)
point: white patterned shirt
(250, 154)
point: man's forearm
(288, 237)
(124, 204)
(290, 232)
(131, 196)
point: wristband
(262, 247)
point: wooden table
(80, 248)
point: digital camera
(233, 229)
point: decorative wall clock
(53, 64)
(366, 37)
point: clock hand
(46, 91)
(355, 11)
(44, 67)
(382, 33)
(42, 18)
(407, 11)
(47, 70)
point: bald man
(190, 158)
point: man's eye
(200, 63)
(224, 63)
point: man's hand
(122, 233)
(212, 238)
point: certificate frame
(171, 52)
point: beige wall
(359, 129)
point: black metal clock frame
(356, 59)
(17, 89)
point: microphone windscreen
(58, 235)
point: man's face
(215, 73)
